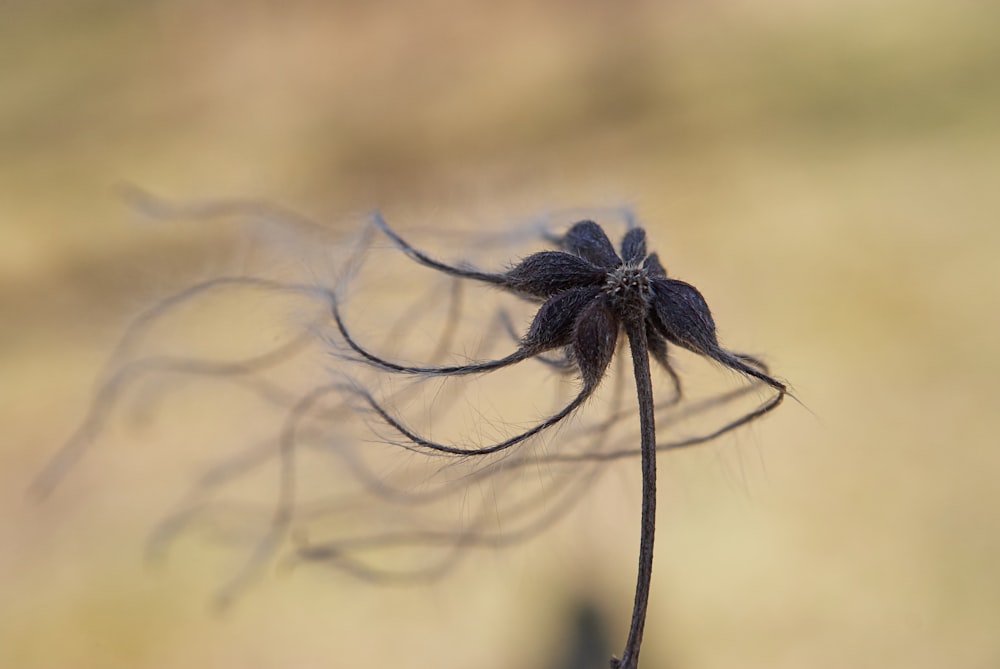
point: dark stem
(636, 331)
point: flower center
(628, 287)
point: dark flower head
(589, 282)
(589, 296)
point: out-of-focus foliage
(824, 172)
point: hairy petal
(555, 320)
(653, 266)
(634, 245)
(587, 240)
(682, 316)
(546, 273)
(595, 339)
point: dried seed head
(628, 288)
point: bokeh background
(827, 173)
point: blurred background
(826, 173)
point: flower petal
(555, 320)
(595, 339)
(634, 245)
(587, 240)
(546, 273)
(681, 314)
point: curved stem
(636, 332)
(417, 441)
(427, 261)
(519, 355)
